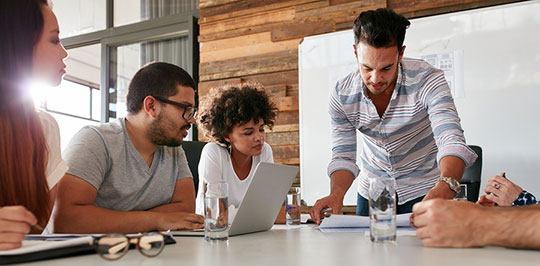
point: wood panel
(287, 118)
(238, 12)
(284, 80)
(247, 21)
(257, 41)
(242, 46)
(267, 63)
(233, 6)
(283, 138)
(285, 151)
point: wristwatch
(452, 183)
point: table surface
(306, 245)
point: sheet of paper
(304, 217)
(29, 246)
(352, 223)
(288, 227)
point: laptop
(261, 204)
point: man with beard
(131, 175)
(405, 112)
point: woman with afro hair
(234, 118)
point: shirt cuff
(461, 151)
(343, 165)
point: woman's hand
(501, 191)
(15, 222)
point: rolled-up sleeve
(343, 137)
(445, 121)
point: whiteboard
(499, 108)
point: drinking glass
(382, 209)
(216, 215)
(293, 206)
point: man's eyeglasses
(115, 246)
(189, 111)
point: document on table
(352, 223)
(34, 245)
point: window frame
(167, 27)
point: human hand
(331, 201)
(502, 191)
(440, 190)
(485, 202)
(15, 222)
(180, 220)
(448, 223)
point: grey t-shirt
(105, 157)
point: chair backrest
(473, 175)
(193, 151)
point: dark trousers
(362, 206)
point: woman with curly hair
(234, 118)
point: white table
(309, 246)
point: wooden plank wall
(257, 40)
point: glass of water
(292, 206)
(382, 209)
(216, 215)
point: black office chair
(193, 151)
(473, 175)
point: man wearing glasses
(130, 175)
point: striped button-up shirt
(419, 127)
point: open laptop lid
(263, 199)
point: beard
(157, 132)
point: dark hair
(157, 79)
(21, 25)
(234, 105)
(380, 28)
(23, 148)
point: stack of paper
(351, 223)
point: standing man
(409, 124)
(130, 175)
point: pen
(37, 227)
(503, 175)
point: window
(77, 17)
(129, 11)
(107, 42)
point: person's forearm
(181, 206)
(90, 219)
(341, 180)
(516, 227)
(452, 166)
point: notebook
(262, 201)
(42, 247)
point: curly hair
(233, 105)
